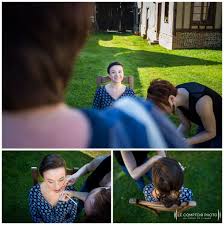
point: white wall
(166, 30)
(152, 22)
(144, 18)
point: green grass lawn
(203, 174)
(143, 61)
(17, 179)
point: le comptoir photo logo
(199, 215)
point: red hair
(159, 92)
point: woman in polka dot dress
(167, 184)
(44, 203)
(106, 95)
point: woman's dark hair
(159, 92)
(100, 208)
(51, 161)
(113, 64)
(40, 43)
(168, 177)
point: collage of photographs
(111, 112)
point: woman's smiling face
(116, 73)
(55, 179)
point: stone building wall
(197, 39)
(177, 32)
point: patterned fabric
(42, 212)
(185, 194)
(132, 123)
(102, 98)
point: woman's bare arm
(204, 108)
(89, 167)
(185, 124)
(161, 153)
(137, 171)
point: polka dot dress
(103, 99)
(42, 211)
(185, 194)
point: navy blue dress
(42, 212)
(185, 194)
(102, 98)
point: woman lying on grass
(167, 184)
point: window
(166, 13)
(203, 13)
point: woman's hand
(137, 171)
(156, 158)
(71, 179)
(66, 195)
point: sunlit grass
(143, 61)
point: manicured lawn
(145, 62)
(203, 174)
(17, 179)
